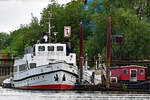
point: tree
(3, 40)
(125, 21)
(65, 15)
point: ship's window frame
(60, 48)
(32, 65)
(113, 79)
(142, 73)
(15, 68)
(50, 48)
(22, 67)
(41, 48)
(125, 71)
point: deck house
(131, 73)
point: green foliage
(64, 15)
(129, 18)
(3, 40)
(124, 86)
(68, 15)
(21, 38)
(126, 21)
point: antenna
(49, 26)
(49, 19)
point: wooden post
(96, 64)
(108, 52)
(5, 70)
(9, 70)
(86, 61)
(1, 71)
(81, 52)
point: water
(14, 94)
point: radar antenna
(49, 19)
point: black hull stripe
(44, 74)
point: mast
(49, 25)
(49, 19)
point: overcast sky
(16, 12)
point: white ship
(46, 66)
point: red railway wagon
(131, 73)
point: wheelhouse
(50, 48)
(43, 54)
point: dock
(6, 69)
(139, 87)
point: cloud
(59, 1)
(16, 12)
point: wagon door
(133, 75)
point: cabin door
(133, 75)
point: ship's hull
(49, 87)
(49, 79)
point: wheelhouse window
(32, 65)
(50, 48)
(15, 68)
(22, 67)
(60, 48)
(41, 48)
(125, 72)
(141, 71)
